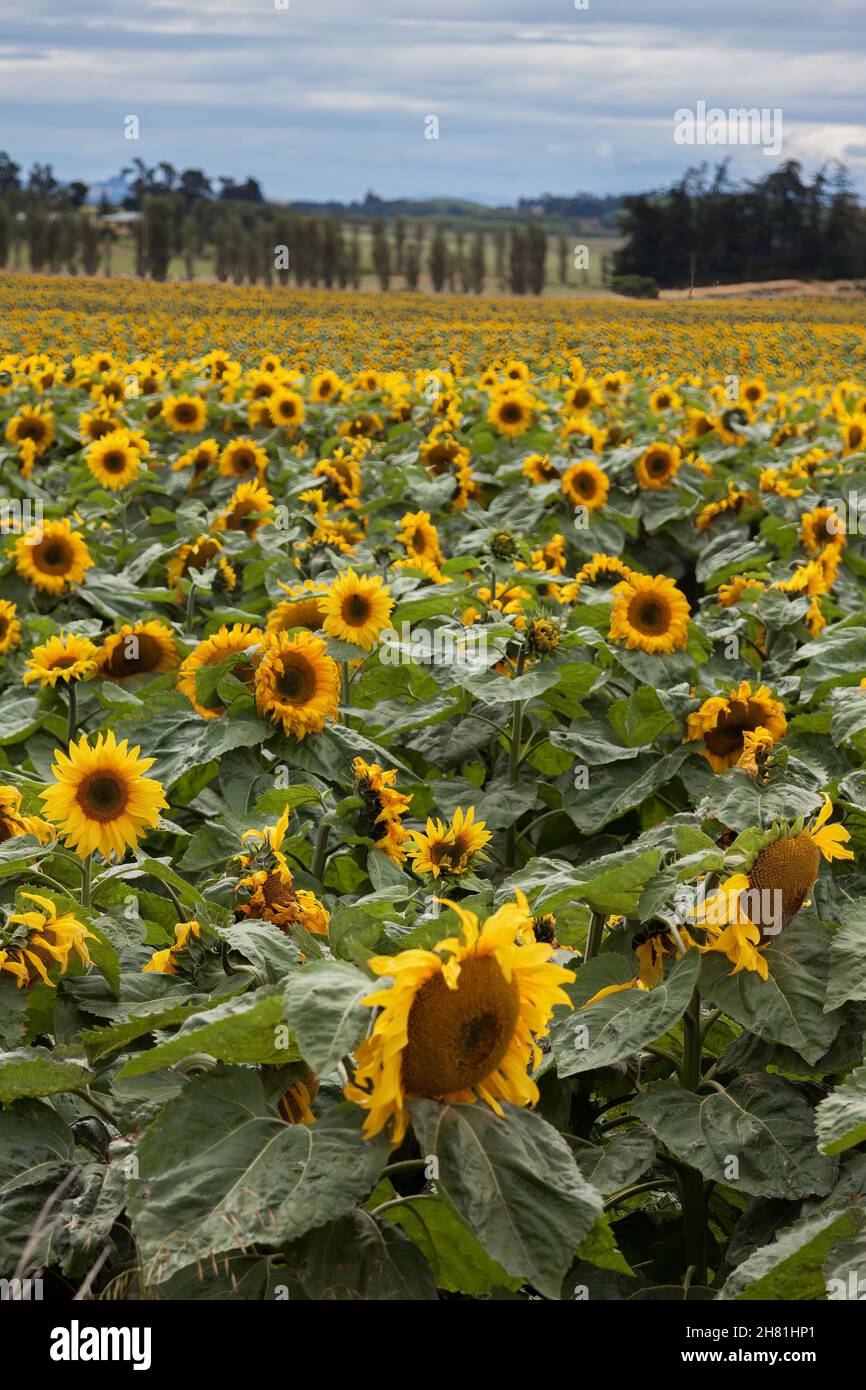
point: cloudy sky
(329, 98)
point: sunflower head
(585, 484)
(113, 460)
(380, 820)
(64, 657)
(510, 412)
(724, 722)
(10, 627)
(241, 641)
(461, 1022)
(450, 851)
(357, 608)
(54, 560)
(137, 649)
(184, 414)
(650, 615)
(658, 465)
(48, 939)
(13, 823)
(101, 798)
(297, 683)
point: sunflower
(753, 392)
(729, 594)
(650, 614)
(10, 628)
(50, 941)
(165, 962)
(325, 386)
(297, 683)
(137, 649)
(723, 722)
(184, 414)
(822, 527)
(303, 608)
(62, 658)
(450, 851)
(657, 465)
(590, 572)
(239, 640)
(113, 461)
(242, 457)
(459, 1023)
(582, 396)
(357, 608)
(285, 408)
(196, 555)
(249, 508)
(54, 560)
(13, 823)
(199, 459)
(102, 799)
(854, 435)
(380, 820)
(585, 484)
(733, 501)
(779, 878)
(296, 1103)
(664, 398)
(539, 468)
(33, 422)
(268, 892)
(510, 412)
(420, 537)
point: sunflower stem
(190, 607)
(321, 848)
(86, 879)
(514, 759)
(594, 935)
(691, 1182)
(347, 691)
(72, 721)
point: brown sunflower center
(451, 855)
(790, 866)
(727, 737)
(32, 428)
(148, 659)
(102, 796)
(658, 465)
(457, 1037)
(355, 610)
(511, 413)
(580, 398)
(185, 413)
(585, 484)
(296, 682)
(52, 556)
(855, 436)
(4, 627)
(114, 462)
(650, 614)
(243, 460)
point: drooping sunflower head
(461, 1022)
(199, 459)
(240, 640)
(297, 683)
(420, 537)
(585, 484)
(138, 649)
(380, 820)
(54, 560)
(450, 851)
(13, 823)
(539, 468)
(650, 614)
(196, 555)
(342, 479)
(786, 865)
(723, 721)
(50, 940)
(10, 627)
(184, 414)
(101, 798)
(357, 608)
(820, 528)
(63, 657)
(113, 460)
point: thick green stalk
(690, 1180)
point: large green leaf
(840, 1120)
(219, 1172)
(34, 1071)
(762, 1122)
(617, 788)
(791, 1267)
(514, 1183)
(788, 1007)
(240, 1030)
(848, 958)
(459, 1262)
(361, 1257)
(37, 1151)
(621, 1023)
(323, 1007)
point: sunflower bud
(542, 637)
(503, 546)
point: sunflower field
(432, 797)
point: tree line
(706, 229)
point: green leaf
(323, 1008)
(599, 1247)
(359, 1256)
(619, 1162)
(738, 802)
(34, 1071)
(147, 1018)
(240, 1030)
(494, 689)
(20, 716)
(514, 1183)
(618, 788)
(836, 658)
(621, 1024)
(840, 1120)
(791, 1267)
(459, 1263)
(37, 1151)
(219, 1172)
(762, 1122)
(847, 978)
(788, 1007)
